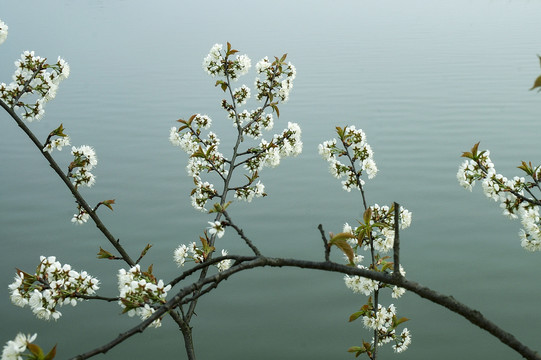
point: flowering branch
(509, 192)
(245, 263)
(142, 294)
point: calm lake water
(424, 80)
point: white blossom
(3, 32)
(57, 144)
(216, 228)
(53, 285)
(224, 264)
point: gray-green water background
(425, 80)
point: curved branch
(472, 315)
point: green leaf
(356, 315)
(51, 354)
(191, 119)
(388, 265)
(275, 108)
(340, 241)
(217, 208)
(104, 254)
(473, 154)
(527, 168)
(35, 350)
(537, 83)
(145, 250)
(108, 203)
(59, 131)
(367, 216)
(357, 349)
(340, 132)
(401, 320)
(199, 153)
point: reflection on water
(424, 81)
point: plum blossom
(216, 228)
(140, 292)
(51, 286)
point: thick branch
(474, 316)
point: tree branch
(396, 244)
(325, 243)
(472, 315)
(241, 234)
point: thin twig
(325, 243)
(241, 234)
(80, 200)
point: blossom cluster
(274, 83)
(204, 156)
(14, 349)
(216, 64)
(381, 236)
(79, 170)
(198, 255)
(140, 291)
(383, 233)
(514, 195)
(34, 78)
(269, 154)
(384, 321)
(353, 146)
(57, 144)
(52, 285)
(275, 79)
(376, 235)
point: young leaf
(357, 349)
(340, 132)
(51, 354)
(537, 83)
(387, 265)
(367, 216)
(108, 203)
(275, 108)
(340, 241)
(355, 315)
(400, 321)
(199, 153)
(35, 350)
(104, 254)
(527, 168)
(145, 250)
